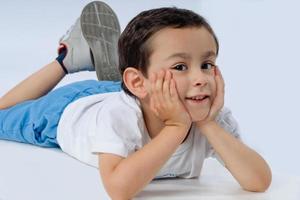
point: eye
(207, 66)
(180, 67)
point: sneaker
(78, 56)
(101, 29)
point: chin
(198, 116)
(198, 113)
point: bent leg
(35, 86)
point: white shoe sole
(101, 29)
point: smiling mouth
(197, 99)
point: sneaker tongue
(61, 48)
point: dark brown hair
(134, 50)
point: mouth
(198, 98)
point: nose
(198, 77)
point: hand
(165, 102)
(218, 101)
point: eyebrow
(187, 56)
(209, 54)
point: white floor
(32, 173)
(259, 41)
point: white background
(259, 51)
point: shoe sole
(101, 29)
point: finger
(219, 73)
(173, 90)
(220, 82)
(166, 85)
(159, 80)
(220, 92)
(153, 106)
(159, 85)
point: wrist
(179, 132)
(179, 125)
(184, 127)
(205, 127)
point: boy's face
(190, 54)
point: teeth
(198, 97)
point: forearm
(248, 167)
(136, 171)
(35, 86)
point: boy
(162, 120)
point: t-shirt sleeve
(226, 120)
(117, 132)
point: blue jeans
(35, 121)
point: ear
(135, 82)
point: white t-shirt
(113, 123)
